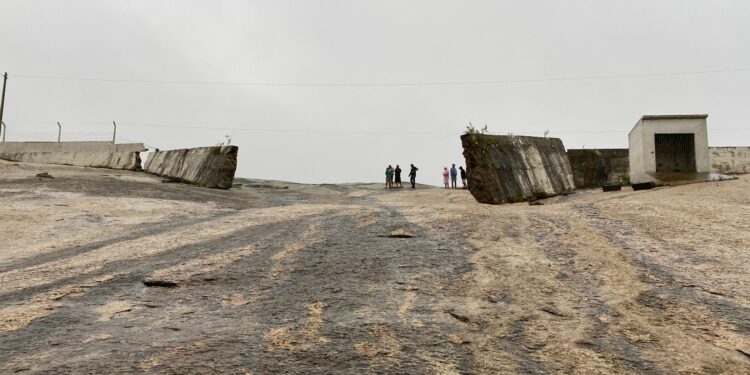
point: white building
(668, 146)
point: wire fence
(50, 127)
(48, 131)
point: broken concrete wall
(594, 168)
(211, 167)
(83, 154)
(503, 169)
(730, 160)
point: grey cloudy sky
(320, 133)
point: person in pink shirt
(445, 176)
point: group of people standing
(393, 176)
(453, 173)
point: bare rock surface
(351, 278)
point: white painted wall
(642, 148)
(635, 142)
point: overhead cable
(382, 84)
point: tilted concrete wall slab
(211, 167)
(596, 167)
(83, 154)
(730, 160)
(503, 169)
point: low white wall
(730, 160)
(83, 154)
(84, 146)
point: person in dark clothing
(397, 176)
(463, 176)
(389, 177)
(413, 176)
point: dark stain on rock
(160, 283)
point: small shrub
(470, 129)
(472, 132)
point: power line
(239, 129)
(385, 84)
(326, 131)
(307, 131)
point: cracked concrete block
(506, 169)
(211, 167)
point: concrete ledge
(503, 169)
(83, 154)
(84, 146)
(211, 167)
(684, 178)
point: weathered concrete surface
(211, 167)
(309, 280)
(730, 160)
(83, 154)
(77, 146)
(593, 167)
(504, 169)
(596, 167)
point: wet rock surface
(354, 279)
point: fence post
(59, 130)
(114, 132)
(2, 100)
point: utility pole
(2, 100)
(4, 128)
(114, 133)
(59, 130)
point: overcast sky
(350, 132)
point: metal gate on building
(675, 152)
